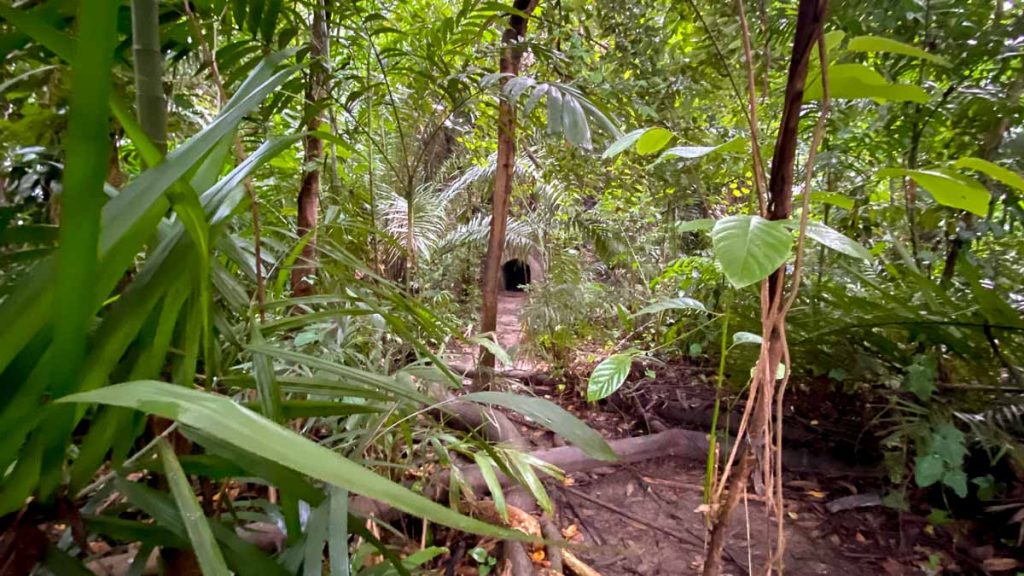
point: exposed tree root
(577, 566)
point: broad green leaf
(694, 152)
(211, 560)
(219, 417)
(834, 198)
(551, 416)
(949, 443)
(880, 44)
(687, 152)
(928, 469)
(921, 377)
(956, 192)
(994, 171)
(749, 248)
(854, 81)
(695, 225)
(682, 303)
(652, 140)
(608, 376)
(957, 480)
(832, 238)
(624, 143)
(746, 338)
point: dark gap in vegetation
(514, 275)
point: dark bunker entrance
(514, 275)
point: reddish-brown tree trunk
(309, 194)
(508, 64)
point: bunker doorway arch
(514, 275)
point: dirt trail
(665, 494)
(509, 333)
(510, 329)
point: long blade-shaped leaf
(552, 417)
(221, 418)
(83, 198)
(211, 560)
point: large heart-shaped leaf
(749, 248)
(608, 376)
(223, 419)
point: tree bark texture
(508, 65)
(305, 268)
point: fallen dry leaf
(1000, 564)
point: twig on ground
(630, 516)
(577, 566)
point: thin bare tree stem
(760, 186)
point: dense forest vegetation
(511, 287)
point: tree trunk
(508, 65)
(150, 103)
(809, 27)
(309, 194)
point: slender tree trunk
(309, 194)
(508, 64)
(150, 103)
(809, 28)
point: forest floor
(645, 519)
